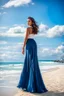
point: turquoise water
(22, 62)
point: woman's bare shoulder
(29, 29)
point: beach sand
(54, 82)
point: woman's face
(29, 22)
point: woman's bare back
(30, 30)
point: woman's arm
(26, 37)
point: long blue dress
(31, 79)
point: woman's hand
(22, 50)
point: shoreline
(54, 82)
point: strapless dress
(31, 78)
(31, 36)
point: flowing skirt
(31, 79)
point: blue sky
(13, 23)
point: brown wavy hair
(34, 25)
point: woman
(31, 79)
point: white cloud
(11, 48)
(17, 3)
(10, 56)
(44, 31)
(3, 55)
(18, 31)
(43, 28)
(3, 42)
(46, 51)
(59, 49)
(13, 52)
(56, 52)
(57, 30)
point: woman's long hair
(34, 25)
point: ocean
(10, 71)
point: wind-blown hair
(34, 25)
